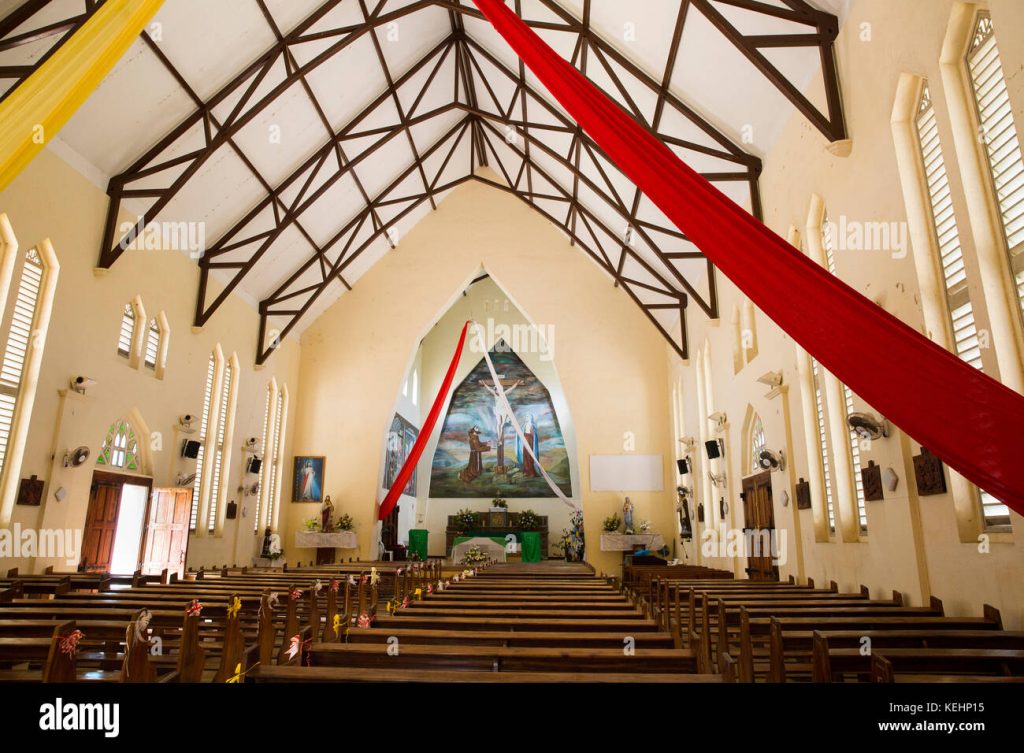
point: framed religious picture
(803, 495)
(308, 478)
(928, 472)
(30, 491)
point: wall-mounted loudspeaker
(254, 465)
(714, 448)
(190, 449)
(683, 464)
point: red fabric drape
(966, 418)
(428, 426)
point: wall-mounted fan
(868, 426)
(772, 461)
(74, 458)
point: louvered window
(267, 440)
(274, 477)
(219, 466)
(1002, 144)
(819, 409)
(127, 333)
(152, 344)
(858, 481)
(947, 234)
(829, 246)
(211, 373)
(19, 339)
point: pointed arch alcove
(451, 476)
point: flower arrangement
(529, 520)
(645, 526)
(345, 523)
(499, 502)
(465, 520)
(611, 523)
(312, 524)
(575, 545)
(474, 556)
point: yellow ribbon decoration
(389, 607)
(234, 607)
(337, 623)
(418, 593)
(237, 676)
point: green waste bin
(531, 546)
(418, 542)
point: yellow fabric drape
(36, 111)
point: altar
(621, 542)
(325, 543)
(492, 547)
(497, 525)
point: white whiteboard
(626, 473)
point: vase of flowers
(611, 523)
(474, 556)
(312, 525)
(529, 520)
(345, 523)
(465, 520)
(499, 502)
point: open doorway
(114, 523)
(759, 525)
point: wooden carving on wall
(871, 477)
(803, 495)
(928, 472)
(30, 492)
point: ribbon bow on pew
(234, 607)
(69, 643)
(194, 609)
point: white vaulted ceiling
(308, 158)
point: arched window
(822, 428)
(959, 309)
(25, 321)
(126, 338)
(275, 420)
(828, 244)
(120, 448)
(998, 134)
(204, 426)
(220, 451)
(758, 444)
(152, 344)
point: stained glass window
(120, 448)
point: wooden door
(759, 527)
(166, 531)
(100, 525)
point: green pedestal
(531, 546)
(418, 542)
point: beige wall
(610, 360)
(912, 544)
(50, 199)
